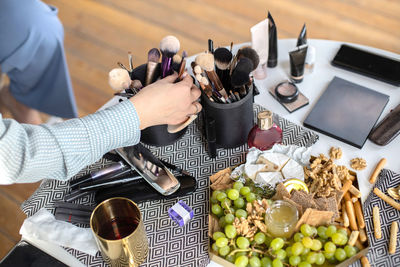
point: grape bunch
(310, 246)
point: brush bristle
(184, 54)
(251, 54)
(205, 61)
(197, 69)
(240, 75)
(205, 81)
(176, 59)
(153, 55)
(222, 58)
(198, 77)
(119, 79)
(170, 45)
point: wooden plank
(6, 245)
(19, 192)
(11, 217)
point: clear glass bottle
(266, 133)
(281, 219)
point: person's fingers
(171, 78)
(195, 92)
(187, 81)
(195, 108)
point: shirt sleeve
(29, 153)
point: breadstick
(346, 186)
(377, 170)
(350, 212)
(359, 214)
(377, 222)
(364, 262)
(354, 191)
(386, 198)
(359, 245)
(363, 235)
(393, 237)
(346, 222)
(353, 238)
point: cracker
(280, 192)
(304, 199)
(315, 217)
(299, 207)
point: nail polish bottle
(266, 133)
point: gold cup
(119, 232)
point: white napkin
(43, 226)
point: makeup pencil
(169, 46)
(153, 57)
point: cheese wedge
(278, 159)
(251, 170)
(293, 169)
(268, 178)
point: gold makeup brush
(153, 57)
(206, 62)
(169, 46)
(119, 79)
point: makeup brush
(223, 58)
(169, 46)
(130, 61)
(206, 62)
(176, 61)
(251, 54)
(137, 84)
(241, 75)
(210, 46)
(153, 57)
(122, 66)
(182, 65)
(119, 79)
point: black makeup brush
(153, 57)
(210, 46)
(223, 58)
(169, 46)
(176, 61)
(206, 62)
(241, 75)
(251, 54)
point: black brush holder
(155, 135)
(228, 125)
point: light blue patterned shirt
(29, 153)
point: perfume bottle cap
(264, 119)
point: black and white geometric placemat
(378, 254)
(170, 245)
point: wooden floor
(98, 33)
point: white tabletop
(313, 85)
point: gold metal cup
(119, 232)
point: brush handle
(217, 83)
(166, 66)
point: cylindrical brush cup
(155, 135)
(231, 122)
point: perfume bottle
(266, 133)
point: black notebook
(347, 111)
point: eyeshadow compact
(289, 96)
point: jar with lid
(281, 218)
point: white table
(313, 85)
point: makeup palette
(289, 96)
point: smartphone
(369, 64)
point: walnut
(249, 208)
(260, 225)
(335, 152)
(251, 232)
(323, 157)
(358, 164)
(259, 209)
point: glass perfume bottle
(266, 133)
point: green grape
(317, 245)
(298, 237)
(250, 197)
(221, 242)
(216, 209)
(339, 239)
(214, 247)
(314, 231)
(280, 254)
(303, 257)
(321, 230)
(268, 240)
(294, 260)
(238, 203)
(230, 231)
(342, 231)
(214, 200)
(340, 254)
(307, 242)
(230, 258)
(329, 255)
(238, 254)
(266, 262)
(244, 190)
(289, 251)
(221, 196)
(215, 193)
(224, 251)
(297, 248)
(331, 230)
(277, 243)
(222, 222)
(306, 230)
(217, 235)
(312, 257)
(305, 251)
(277, 263)
(233, 194)
(226, 203)
(304, 264)
(241, 261)
(255, 262)
(332, 260)
(320, 259)
(259, 238)
(330, 247)
(350, 251)
(242, 242)
(254, 254)
(237, 185)
(229, 218)
(241, 213)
